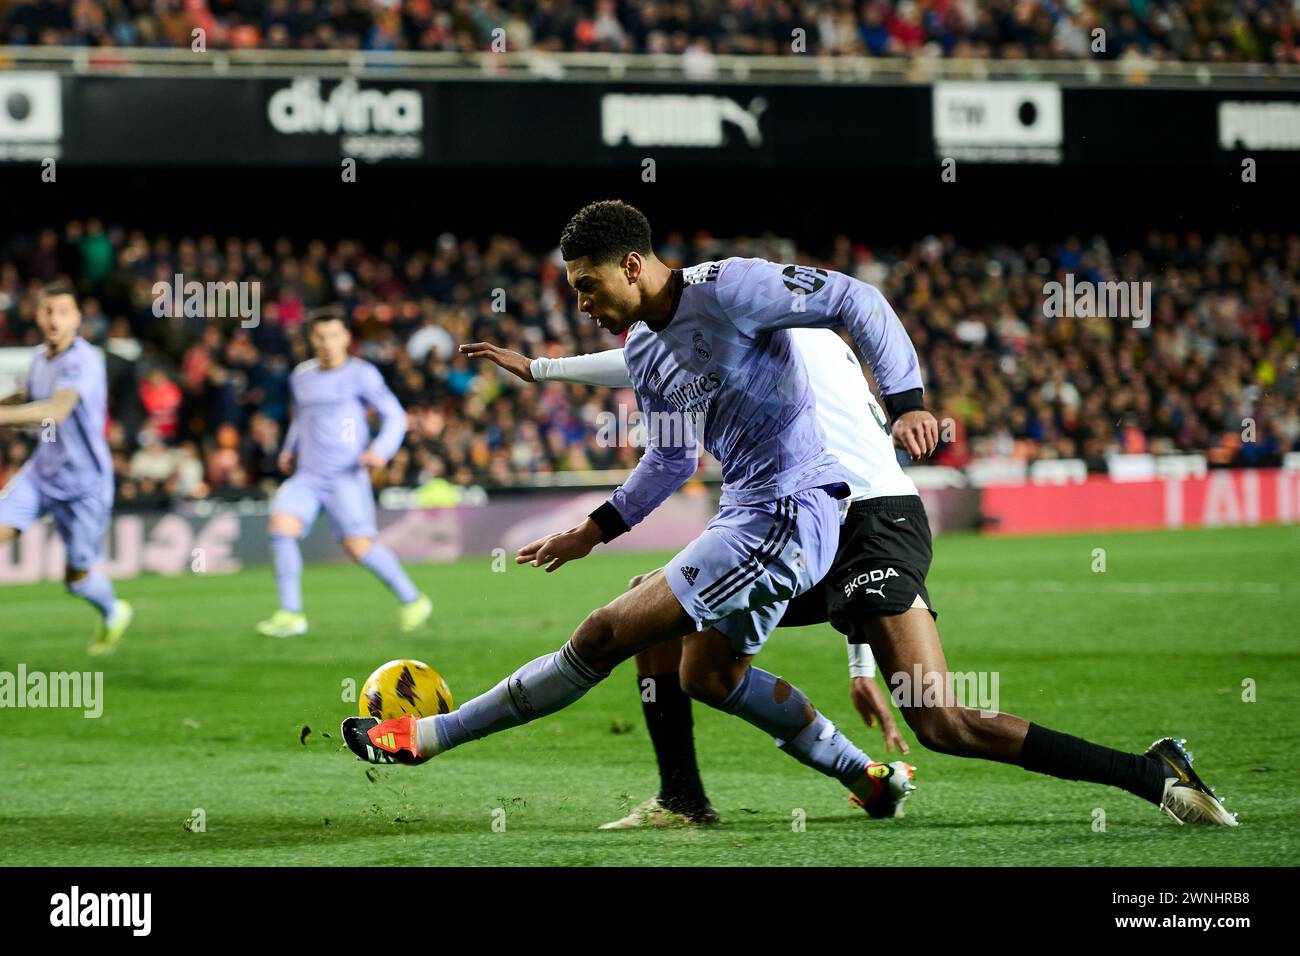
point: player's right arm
(56, 408)
(607, 368)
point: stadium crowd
(199, 405)
(1191, 30)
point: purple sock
(98, 590)
(774, 706)
(384, 565)
(287, 558)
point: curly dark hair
(605, 231)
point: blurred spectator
(1257, 30)
(160, 398)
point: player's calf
(966, 732)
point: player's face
(330, 341)
(59, 319)
(608, 293)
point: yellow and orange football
(405, 687)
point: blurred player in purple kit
(70, 474)
(330, 440)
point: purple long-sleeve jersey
(723, 369)
(76, 462)
(329, 430)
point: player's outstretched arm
(512, 362)
(56, 408)
(606, 368)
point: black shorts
(880, 566)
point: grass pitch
(201, 714)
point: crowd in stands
(199, 405)
(1184, 30)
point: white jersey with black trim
(854, 425)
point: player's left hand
(917, 433)
(870, 703)
(371, 460)
(557, 549)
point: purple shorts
(82, 523)
(740, 574)
(346, 498)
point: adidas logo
(386, 741)
(690, 574)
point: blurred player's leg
(350, 504)
(83, 524)
(285, 528)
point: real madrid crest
(701, 347)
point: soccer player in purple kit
(70, 474)
(712, 342)
(707, 367)
(330, 441)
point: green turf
(202, 713)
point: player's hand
(285, 462)
(869, 701)
(371, 460)
(917, 433)
(556, 549)
(512, 362)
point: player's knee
(706, 686)
(357, 547)
(284, 524)
(595, 639)
(7, 533)
(941, 729)
(641, 578)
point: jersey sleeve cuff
(862, 663)
(609, 521)
(900, 403)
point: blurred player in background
(329, 442)
(70, 475)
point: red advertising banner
(1236, 498)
